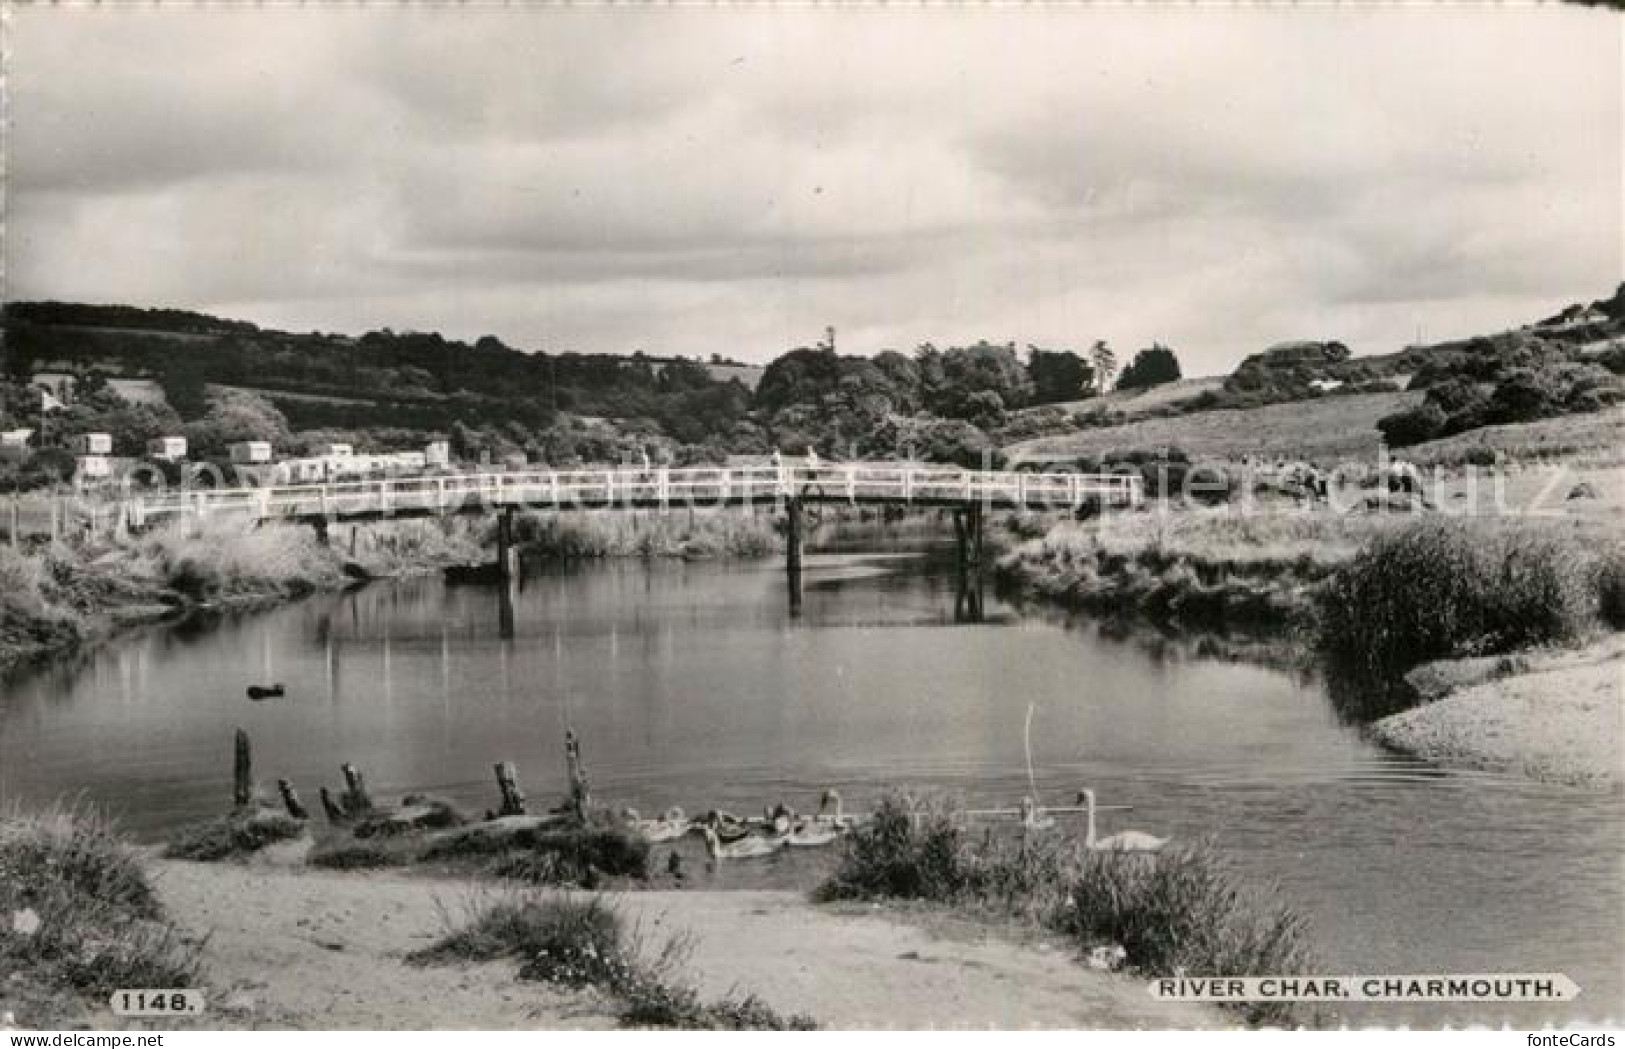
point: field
(1327, 428)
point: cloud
(732, 180)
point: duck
(259, 692)
(671, 825)
(838, 818)
(727, 826)
(1033, 817)
(1124, 841)
(748, 847)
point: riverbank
(286, 949)
(327, 950)
(1214, 568)
(1555, 716)
(63, 597)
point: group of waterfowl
(731, 837)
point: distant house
(91, 468)
(168, 449)
(1325, 385)
(248, 453)
(14, 444)
(437, 453)
(337, 451)
(93, 444)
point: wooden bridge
(652, 489)
(969, 494)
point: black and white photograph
(811, 517)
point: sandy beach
(304, 949)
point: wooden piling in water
(242, 772)
(335, 813)
(513, 799)
(290, 800)
(356, 801)
(580, 790)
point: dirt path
(322, 950)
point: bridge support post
(968, 546)
(792, 552)
(506, 559)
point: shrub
(1610, 583)
(901, 852)
(1182, 911)
(1439, 589)
(1412, 426)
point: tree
(236, 416)
(1105, 362)
(1150, 367)
(950, 378)
(1058, 375)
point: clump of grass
(97, 925)
(1444, 589)
(577, 943)
(357, 855)
(1180, 910)
(560, 855)
(236, 835)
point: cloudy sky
(703, 180)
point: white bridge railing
(655, 487)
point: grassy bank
(690, 534)
(1210, 568)
(1179, 911)
(60, 596)
(78, 920)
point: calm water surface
(691, 686)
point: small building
(245, 453)
(337, 451)
(93, 444)
(14, 444)
(168, 449)
(437, 453)
(92, 468)
(1325, 385)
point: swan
(1124, 841)
(745, 848)
(811, 831)
(1033, 817)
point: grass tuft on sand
(78, 918)
(232, 837)
(584, 943)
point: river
(690, 685)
